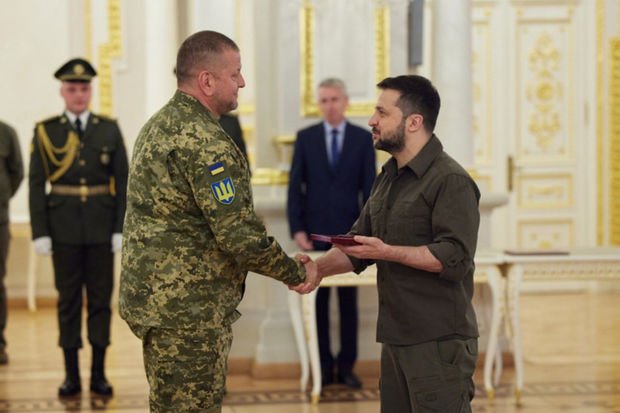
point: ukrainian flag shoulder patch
(216, 168)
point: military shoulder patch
(224, 191)
(223, 188)
(216, 168)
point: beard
(392, 142)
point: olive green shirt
(430, 201)
(191, 233)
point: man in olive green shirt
(420, 227)
(191, 233)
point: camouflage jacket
(191, 233)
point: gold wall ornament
(269, 176)
(614, 142)
(545, 233)
(544, 92)
(600, 109)
(309, 107)
(483, 110)
(105, 51)
(551, 191)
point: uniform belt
(81, 190)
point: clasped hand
(312, 276)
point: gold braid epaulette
(49, 151)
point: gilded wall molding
(309, 107)
(600, 135)
(614, 141)
(545, 233)
(546, 106)
(544, 92)
(105, 51)
(483, 107)
(88, 29)
(545, 191)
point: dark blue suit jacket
(326, 201)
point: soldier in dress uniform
(78, 181)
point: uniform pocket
(440, 396)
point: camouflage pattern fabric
(191, 233)
(186, 370)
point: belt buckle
(83, 192)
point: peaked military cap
(76, 70)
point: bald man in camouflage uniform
(191, 233)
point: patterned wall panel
(482, 86)
(545, 191)
(544, 84)
(545, 233)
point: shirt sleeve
(456, 219)
(15, 165)
(362, 226)
(220, 183)
(36, 194)
(296, 199)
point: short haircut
(335, 83)
(417, 95)
(199, 50)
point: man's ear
(206, 82)
(414, 122)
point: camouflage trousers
(186, 370)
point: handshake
(313, 279)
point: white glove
(117, 242)
(43, 245)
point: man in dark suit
(11, 175)
(79, 222)
(331, 176)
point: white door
(533, 126)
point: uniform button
(82, 145)
(83, 181)
(82, 162)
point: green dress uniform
(191, 235)
(83, 208)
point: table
(303, 316)
(585, 264)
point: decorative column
(452, 75)
(160, 50)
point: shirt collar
(83, 117)
(422, 161)
(193, 103)
(340, 128)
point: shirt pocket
(410, 224)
